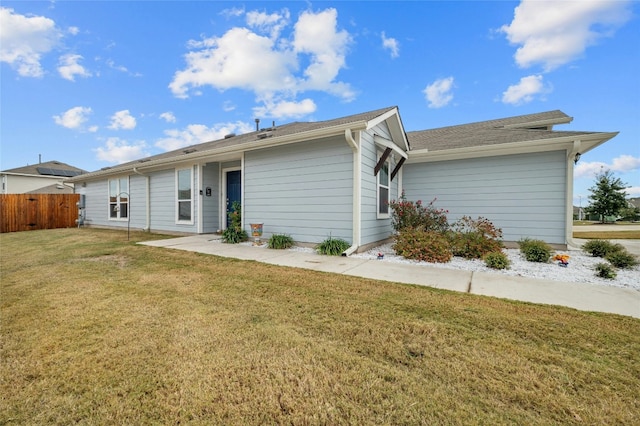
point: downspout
(357, 183)
(571, 160)
(148, 199)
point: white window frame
(179, 200)
(387, 186)
(118, 199)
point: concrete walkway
(579, 296)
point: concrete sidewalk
(579, 296)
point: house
(335, 178)
(41, 178)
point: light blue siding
(524, 194)
(96, 202)
(163, 203)
(303, 190)
(138, 202)
(210, 204)
(374, 229)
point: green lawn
(98, 330)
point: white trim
(387, 162)
(356, 222)
(571, 154)
(589, 142)
(200, 194)
(223, 191)
(128, 203)
(177, 200)
(380, 141)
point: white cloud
(284, 109)
(525, 91)
(269, 23)
(553, 33)
(122, 120)
(197, 133)
(73, 30)
(239, 59)
(228, 106)
(391, 44)
(317, 34)
(24, 39)
(168, 117)
(262, 61)
(633, 191)
(622, 164)
(68, 67)
(438, 93)
(119, 151)
(73, 118)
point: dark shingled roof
(48, 168)
(504, 130)
(271, 132)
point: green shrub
(601, 248)
(234, 234)
(412, 215)
(426, 246)
(535, 250)
(279, 241)
(622, 259)
(605, 270)
(497, 260)
(332, 246)
(473, 238)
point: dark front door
(234, 185)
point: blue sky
(94, 84)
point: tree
(607, 196)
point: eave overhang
(588, 141)
(212, 154)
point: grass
(608, 235)
(99, 330)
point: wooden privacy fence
(27, 212)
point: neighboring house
(335, 178)
(41, 178)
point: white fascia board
(539, 123)
(588, 142)
(395, 126)
(379, 140)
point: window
(184, 194)
(119, 198)
(383, 191)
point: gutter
(357, 183)
(148, 198)
(589, 141)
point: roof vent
(189, 150)
(263, 135)
(229, 136)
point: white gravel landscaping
(580, 269)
